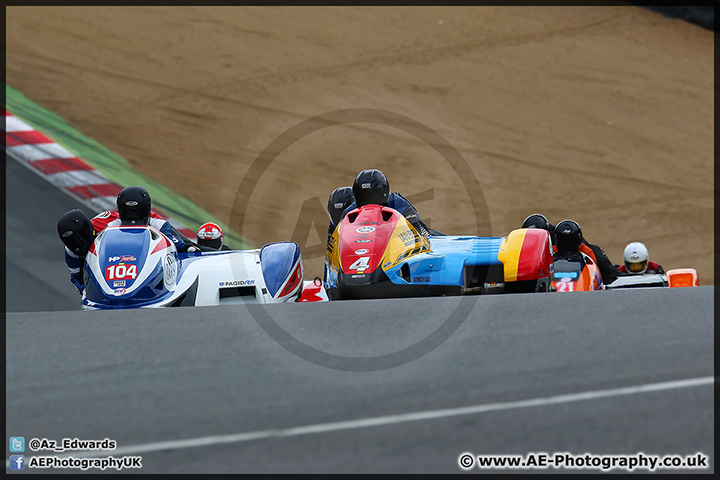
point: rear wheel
(543, 285)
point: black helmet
(536, 220)
(76, 231)
(134, 206)
(340, 199)
(371, 187)
(568, 236)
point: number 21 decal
(565, 286)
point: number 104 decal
(120, 272)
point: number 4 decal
(361, 263)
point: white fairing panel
(639, 281)
(209, 278)
(222, 278)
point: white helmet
(636, 258)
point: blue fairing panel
(277, 261)
(155, 291)
(123, 243)
(445, 264)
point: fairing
(163, 277)
(375, 252)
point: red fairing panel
(363, 241)
(536, 258)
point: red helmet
(210, 235)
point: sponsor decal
(67, 234)
(131, 203)
(118, 283)
(564, 275)
(209, 234)
(367, 229)
(369, 223)
(170, 269)
(363, 241)
(358, 276)
(124, 258)
(361, 251)
(119, 291)
(386, 264)
(421, 279)
(365, 186)
(338, 205)
(407, 237)
(237, 283)
(104, 214)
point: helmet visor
(637, 267)
(74, 242)
(215, 243)
(371, 198)
(79, 241)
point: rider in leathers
(77, 231)
(372, 187)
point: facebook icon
(17, 462)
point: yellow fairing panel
(404, 243)
(509, 253)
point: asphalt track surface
(144, 378)
(34, 254)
